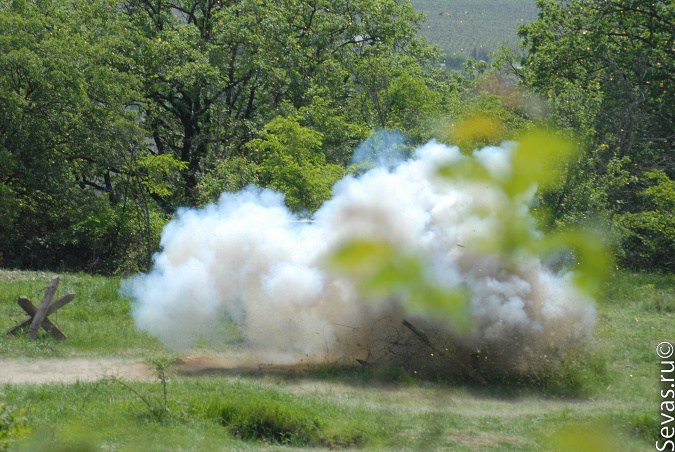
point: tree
(291, 162)
(113, 114)
(607, 68)
(217, 72)
(70, 140)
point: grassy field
(616, 406)
(474, 28)
(97, 322)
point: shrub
(255, 418)
(576, 374)
(13, 425)
(274, 418)
(651, 230)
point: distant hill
(474, 28)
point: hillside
(474, 28)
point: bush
(576, 374)
(13, 425)
(254, 418)
(650, 240)
(274, 418)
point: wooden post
(42, 310)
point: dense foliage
(113, 114)
(13, 425)
(607, 68)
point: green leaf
(539, 159)
(381, 270)
(594, 260)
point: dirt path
(71, 370)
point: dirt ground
(71, 370)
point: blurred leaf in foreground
(383, 270)
(509, 176)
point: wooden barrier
(39, 317)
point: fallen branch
(425, 339)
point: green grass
(97, 322)
(226, 413)
(267, 415)
(607, 399)
(636, 313)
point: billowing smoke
(246, 259)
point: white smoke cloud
(248, 259)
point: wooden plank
(47, 324)
(19, 326)
(60, 302)
(52, 329)
(41, 313)
(30, 309)
(27, 306)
